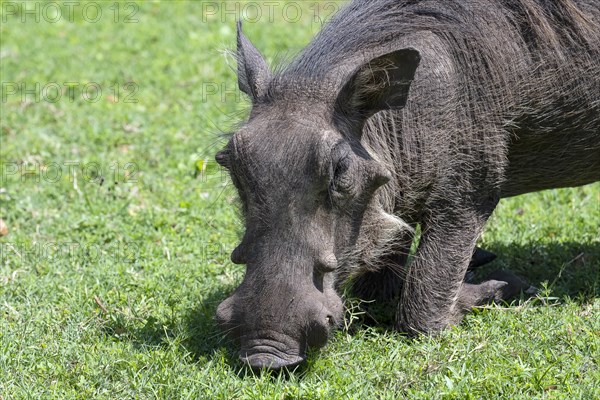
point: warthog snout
(277, 332)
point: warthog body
(401, 113)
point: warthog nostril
(318, 330)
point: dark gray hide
(398, 114)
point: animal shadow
(566, 270)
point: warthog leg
(381, 289)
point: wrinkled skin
(287, 300)
(367, 135)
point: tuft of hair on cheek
(377, 239)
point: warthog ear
(253, 71)
(381, 84)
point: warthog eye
(341, 182)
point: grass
(121, 227)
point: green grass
(108, 288)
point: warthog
(400, 113)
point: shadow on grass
(570, 270)
(193, 329)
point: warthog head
(309, 194)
